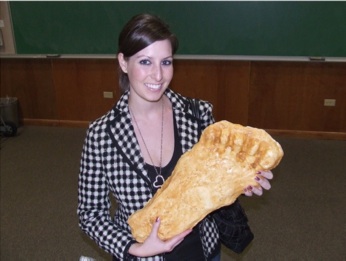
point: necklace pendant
(159, 181)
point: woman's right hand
(153, 245)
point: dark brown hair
(141, 31)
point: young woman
(131, 150)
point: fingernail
(258, 172)
(249, 187)
(157, 219)
(245, 190)
(257, 178)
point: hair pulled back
(141, 31)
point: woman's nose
(157, 73)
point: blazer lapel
(188, 125)
(124, 139)
(188, 130)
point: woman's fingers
(263, 182)
(262, 179)
(155, 228)
(257, 190)
(248, 191)
(266, 174)
(167, 245)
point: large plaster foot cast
(209, 176)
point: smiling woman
(150, 70)
(132, 150)
(132, 40)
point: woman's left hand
(262, 179)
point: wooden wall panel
(29, 80)
(286, 97)
(289, 96)
(79, 86)
(224, 84)
(233, 91)
(328, 81)
(197, 79)
(276, 95)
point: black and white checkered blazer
(111, 163)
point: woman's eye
(167, 62)
(145, 62)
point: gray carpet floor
(303, 216)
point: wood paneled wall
(282, 97)
(290, 96)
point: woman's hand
(153, 245)
(262, 178)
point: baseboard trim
(288, 133)
(57, 123)
(323, 135)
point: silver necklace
(159, 180)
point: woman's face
(150, 70)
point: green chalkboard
(203, 28)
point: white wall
(8, 46)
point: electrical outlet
(329, 102)
(108, 95)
